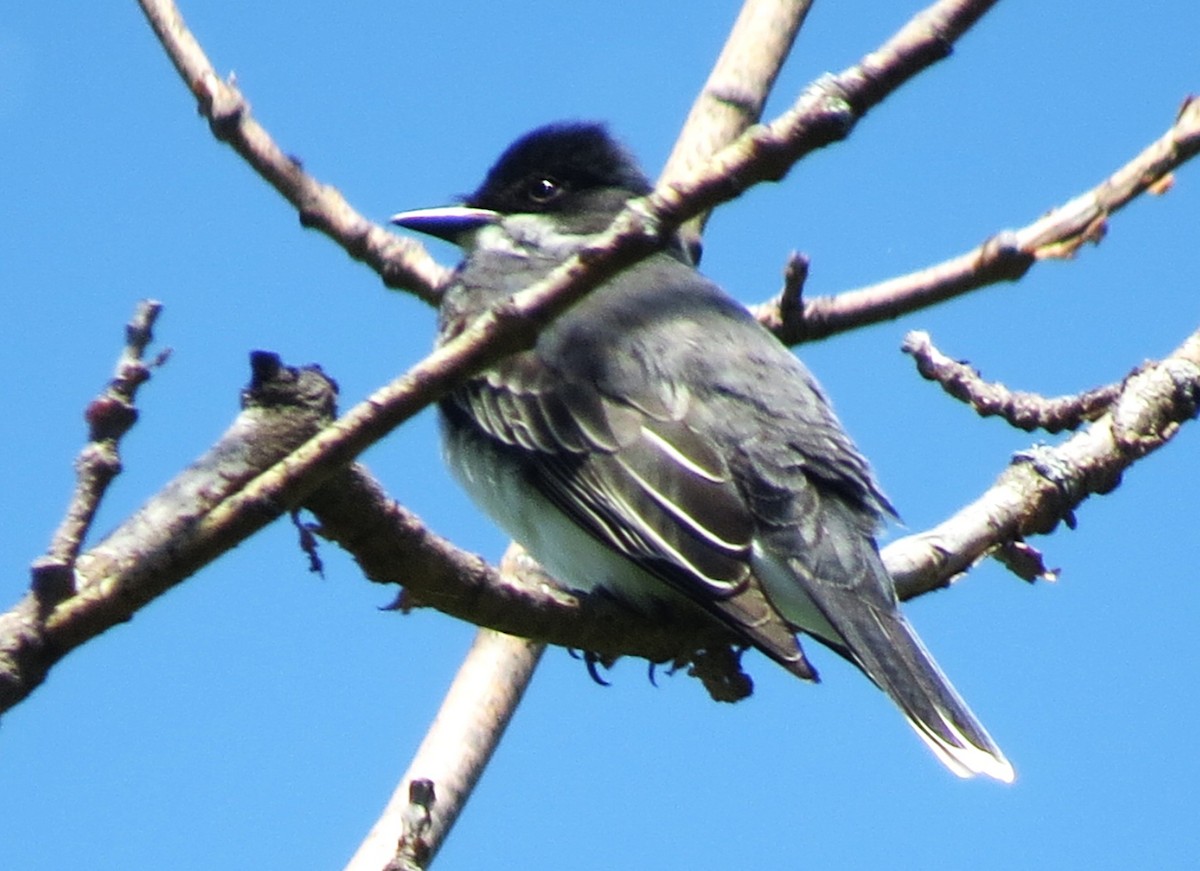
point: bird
(659, 445)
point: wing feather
(650, 486)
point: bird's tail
(887, 648)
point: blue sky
(258, 716)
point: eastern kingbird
(660, 444)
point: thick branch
(158, 546)
(1006, 256)
(737, 88)
(393, 546)
(461, 739)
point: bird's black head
(569, 179)
(568, 169)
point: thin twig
(795, 276)
(1006, 256)
(1027, 411)
(109, 416)
(401, 262)
(825, 113)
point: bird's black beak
(451, 223)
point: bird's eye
(543, 189)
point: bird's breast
(497, 481)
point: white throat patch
(528, 235)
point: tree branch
(393, 546)
(825, 113)
(1027, 411)
(24, 657)
(157, 547)
(736, 90)
(741, 80)
(459, 743)
(1045, 484)
(1006, 256)
(1040, 488)
(400, 261)
(109, 416)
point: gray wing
(635, 473)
